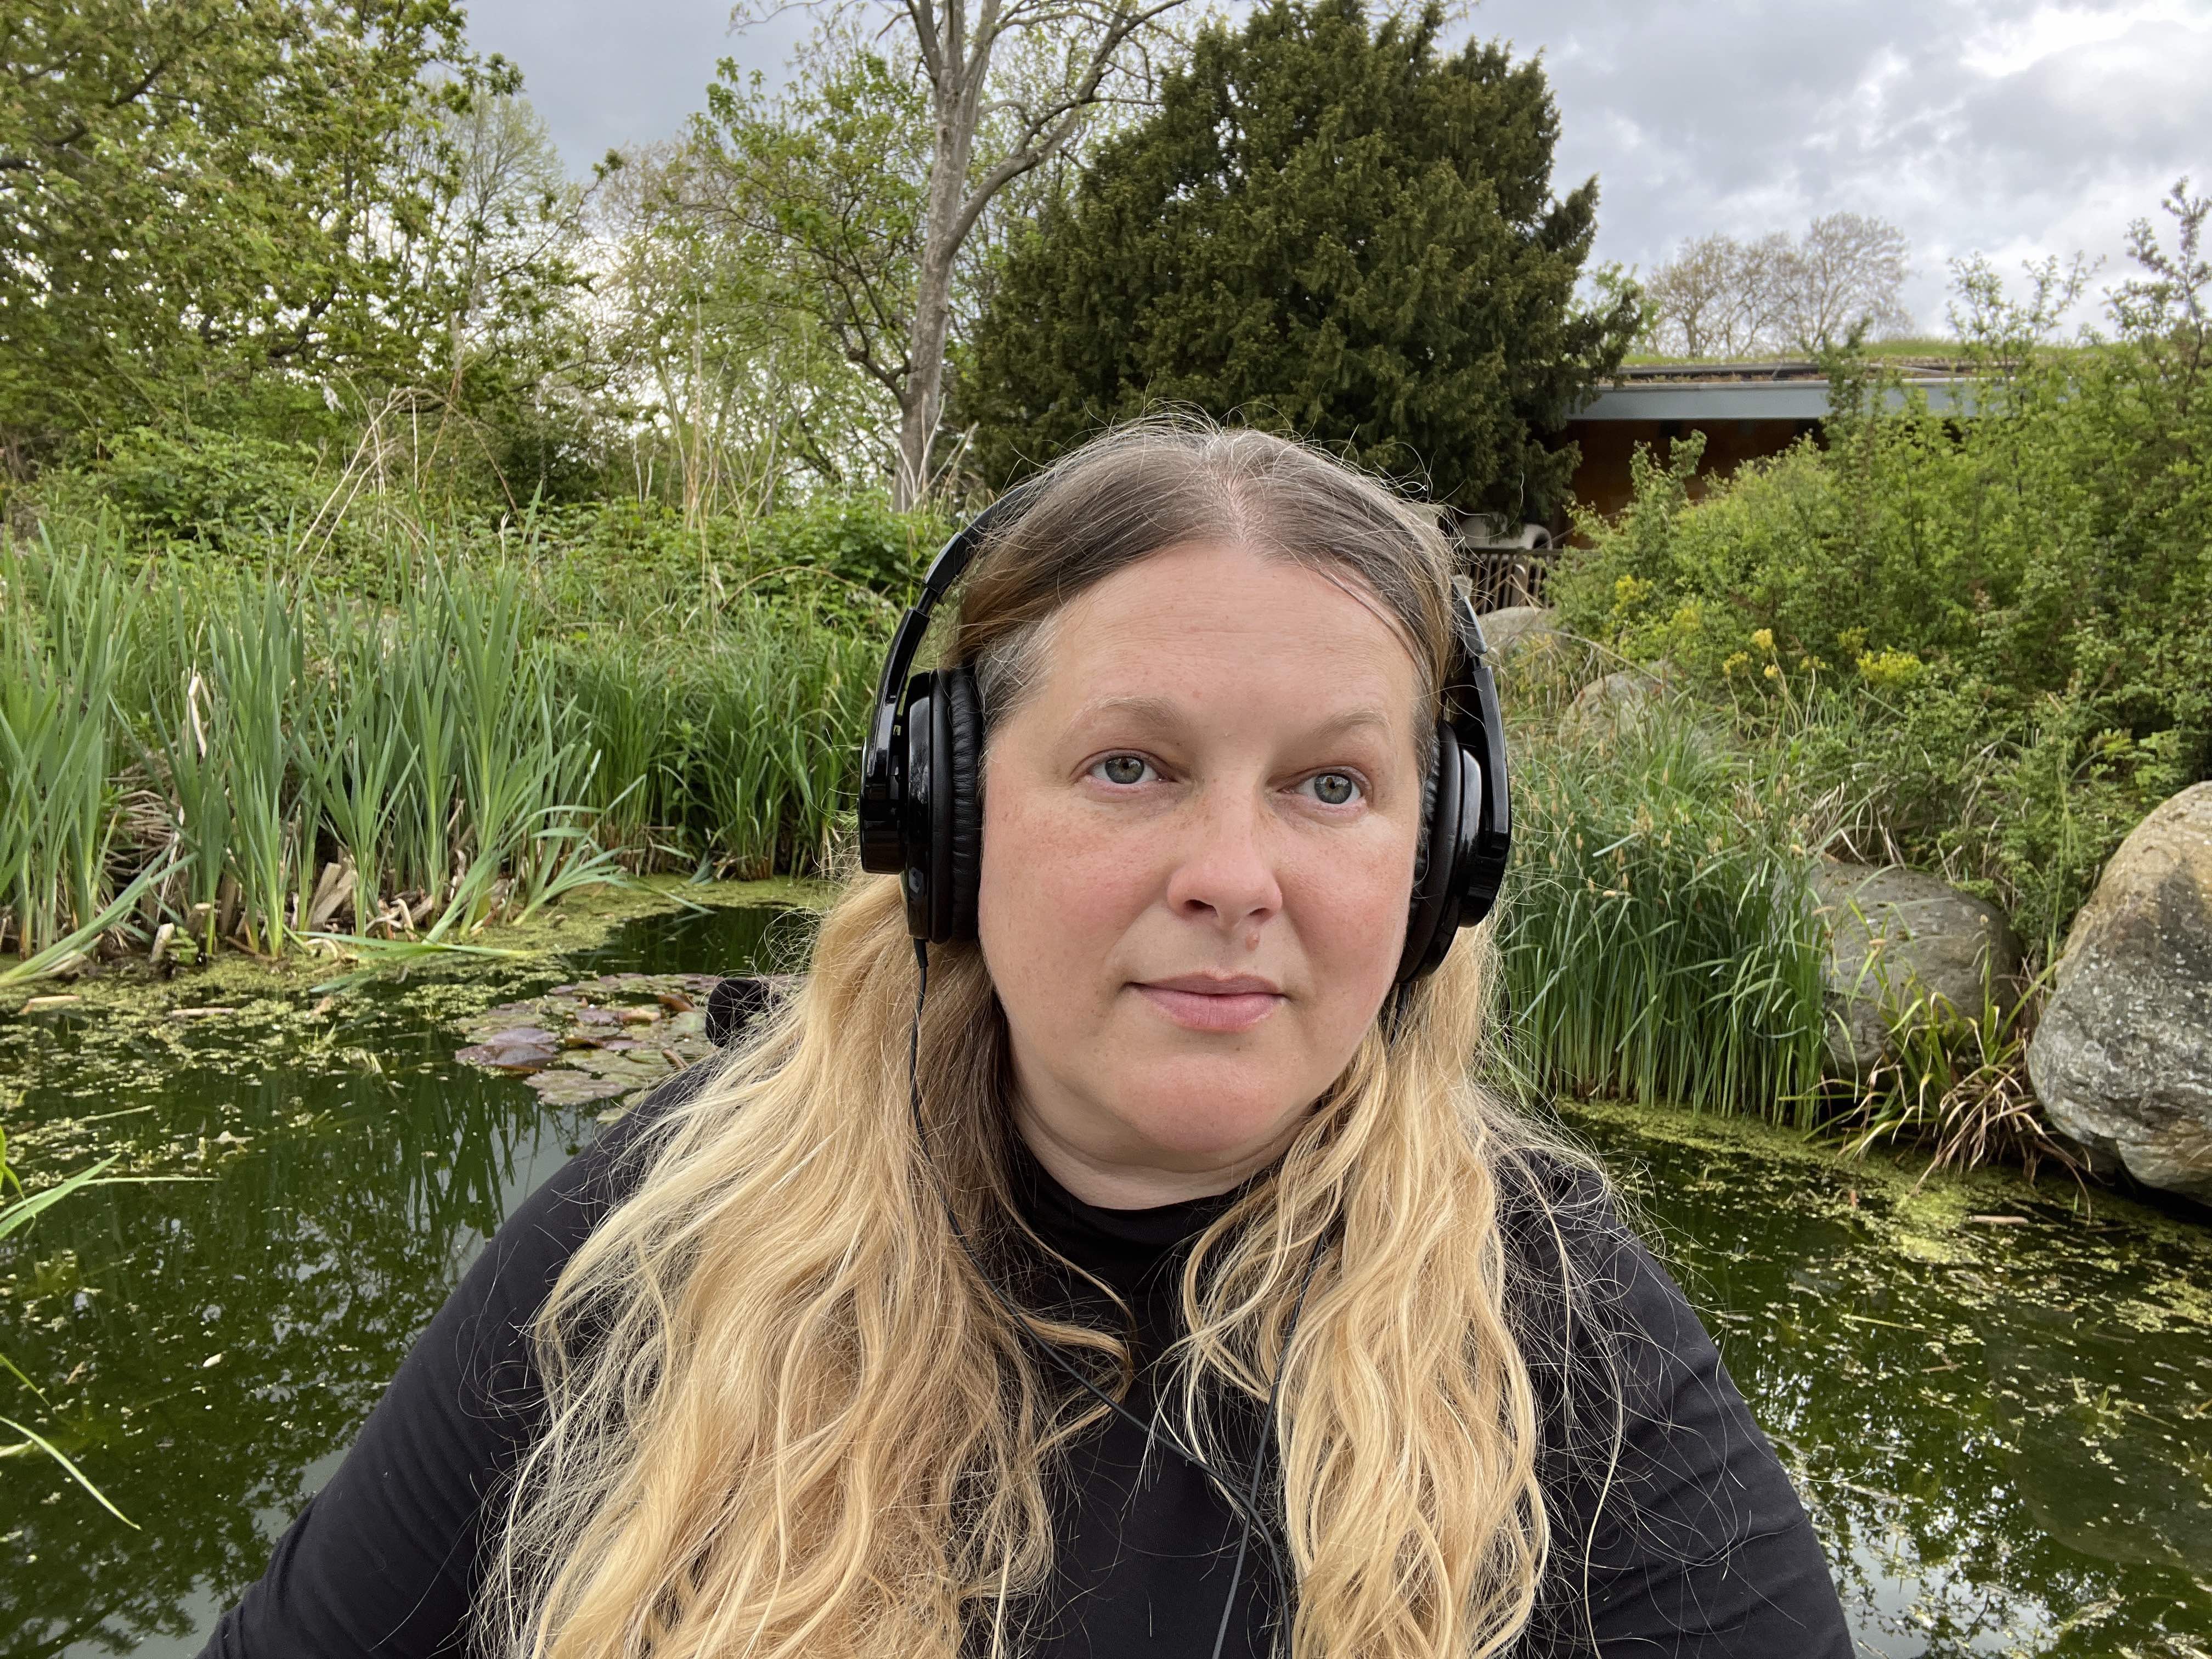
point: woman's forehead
(1212, 620)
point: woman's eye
(1334, 788)
(1123, 768)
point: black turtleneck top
(1698, 1545)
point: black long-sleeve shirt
(1699, 1546)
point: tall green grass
(60, 806)
(231, 747)
(1657, 942)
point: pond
(1999, 1409)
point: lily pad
(518, 1057)
(521, 1036)
(617, 1033)
(559, 1086)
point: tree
(824, 183)
(734, 385)
(1000, 87)
(1717, 297)
(490, 268)
(1720, 297)
(1847, 271)
(200, 196)
(1326, 228)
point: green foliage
(1956, 1079)
(858, 542)
(1657, 942)
(1327, 228)
(192, 481)
(61, 625)
(203, 192)
(2014, 610)
(261, 758)
(830, 177)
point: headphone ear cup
(919, 768)
(1434, 913)
(960, 811)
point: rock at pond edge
(1895, 935)
(2122, 1058)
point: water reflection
(226, 1337)
(2007, 1450)
(2005, 1431)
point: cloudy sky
(2014, 128)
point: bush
(200, 485)
(2015, 609)
(1658, 942)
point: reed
(1955, 1081)
(1658, 943)
(61, 624)
(301, 760)
(362, 748)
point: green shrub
(2015, 609)
(197, 484)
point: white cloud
(2015, 128)
(2002, 126)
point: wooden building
(1746, 410)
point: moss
(581, 921)
(1940, 1217)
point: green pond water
(2003, 1427)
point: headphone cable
(1246, 1503)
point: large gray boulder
(1896, 937)
(2122, 1060)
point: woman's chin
(1202, 1127)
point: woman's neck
(1134, 1184)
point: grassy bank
(201, 754)
(1660, 943)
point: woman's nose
(1225, 867)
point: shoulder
(551, 1224)
(1604, 1327)
(1568, 1244)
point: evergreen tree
(1328, 228)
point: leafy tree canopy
(205, 199)
(1327, 228)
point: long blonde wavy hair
(784, 1415)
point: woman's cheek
(1360, 905)
(1056, 886)
(1096, 880)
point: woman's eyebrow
(1165, 711)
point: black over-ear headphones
(922, 809)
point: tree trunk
(956, 104)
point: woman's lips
(1201, 1011)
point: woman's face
(1198, 849)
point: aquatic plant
(309, 765)
(1657, 942)
(61, 620)
(1956, 1080)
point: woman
(1160, 1282)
